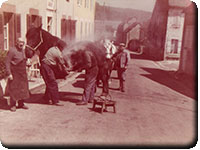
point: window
(81, 29)
(86, 29)
(176, 22)
(33, 19)
(91, 4)
(89, 28)
(79, 2)
(7, 19)
(86, 3)
(174, 46)
(49, 24)
(6, 38)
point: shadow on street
(79, 84)
(142, 56)
(184, 86)
(64, 96)
(70, 97)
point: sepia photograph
(98, 74)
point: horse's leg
(105, 78)
(98, 79)
(111, 67)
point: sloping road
(155, 110)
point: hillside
(120, 14)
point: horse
(39, 40)
(73, 55)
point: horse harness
(36, 47)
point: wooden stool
(104, 103)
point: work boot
(21, 104)
(13, 108)
(22, 107)
(90, 101)
(57, 104)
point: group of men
(18, 81)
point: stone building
(157, 30)
(166, 29)
(174, 33)
(188, 59)
(84, 14)
(70, 20)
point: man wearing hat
(17, 76)
(121, 62)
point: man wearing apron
(17, 76)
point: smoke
(83, 44)
(72, 49)
(76, 50)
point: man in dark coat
(17, 76)
(91, 71)
(121, 58)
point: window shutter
(12, 31)
(40, 20)
(17, 26)
(1, 32)
(68, 29)
(28, 21)
(63, 29)
(73, 29)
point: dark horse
(75, 54)
(40, 40)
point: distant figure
(17, 76)
(121, 59)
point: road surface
(155, 110)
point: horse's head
(34, 40)
(77, 61)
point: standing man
(91, 71)
(122, 58)
(17, 76)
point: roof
(131, 27)
(179, 3)
(191, 9)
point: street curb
(59, 80)
(160, 65)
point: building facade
(133, 33)
(157, 30)
(188, 59)
(166, 29)
(70, 20)
(175, 23)
(84, 14)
